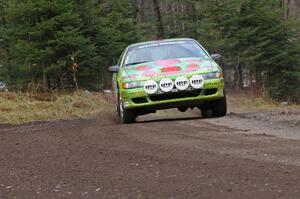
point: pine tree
(48, 39)
(216, 23)
(52, 44)
(110, 27)
(269, 46)
(5, 57)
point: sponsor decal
(182, 83)
(166, 85)
(151, 87)
(197, 81)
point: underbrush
(18, 108)
(240, 101)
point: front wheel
(126, 116)
(206, 110)
(215, 108)
(219, 107)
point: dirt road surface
(169, 155)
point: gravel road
(168, 155)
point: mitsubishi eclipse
(174, 73)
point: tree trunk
(44, 78)
(75, 80)
(142, 10)
(159, 22)
(9, 67)
(106, 7)
(74, 71)
(288, 9)
(285, 4)
(136, 13)
(237, 79)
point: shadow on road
(153, 120)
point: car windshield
(164, 50)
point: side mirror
(114, 69)
(216, 57)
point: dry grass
(249, 102)
(26, 108)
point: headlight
(215, 75)
(132, 85)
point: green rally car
(174, 73)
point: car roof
(160, 41)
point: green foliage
(42, 34)
(268, 44)
(118, 30)
(41, 39)
(253, 35)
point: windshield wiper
(135, 63)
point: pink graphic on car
(168, 67)
(167, 63)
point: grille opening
(210, 91)
(170, 96)
(140, 100)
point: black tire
(219, 107)
(206, 110)
(118, 107)
(215, 108)
(126, 116)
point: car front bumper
(139, 99)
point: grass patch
(25, 108)
(243, 102)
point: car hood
(168, 68)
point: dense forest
(61, 44)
